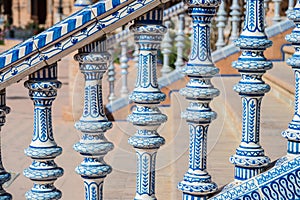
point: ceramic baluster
(43, 149)
(4, 176)
(235, 20)
(199, 91)
(136, 56)
(266, 7)
(276, 18)
(124, 66)
(250, 159)
(93, 146)
(111, 76)
(291, 6)
(180, 41)
(146, 117)
(221, 23)
(166, 47)
(292, 134)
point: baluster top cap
(203, 3)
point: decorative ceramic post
(235, 20)
(111, 77)
(43, 171)
(292, 134)
(291, 7)
(266, 7)
(221, 23)
(146, 117)
(166, 47)
(136, 56)
(93, 123)
(180, 41)
(250, 159)
(276, 17)
(124, 67)
(197, 183)
(4, 176)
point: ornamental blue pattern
(249, 159)
(93, 123)
(292, 134)
(197, 183)
(147, 117)
(43, 171)
(279, 182)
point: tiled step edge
(281, 181)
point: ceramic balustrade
(235, 19)
(292, 134)
(94, 61)
(199, 92)
(111, 77)
(4, 175)
(180, 41)
(221, 23)
(93, 146)
(250, 159)
(146, 116)
(43, 171)
(276, 18)
(166, 47)
(124, 69)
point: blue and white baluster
(290, 7)
(43, 171)
(180, 41)
(199, 91)
(166, 47)
(124, 66)
(276, 18)
(146, 117)
(111, 77)
(4, 176)
(93, 146)
(221, 23)
(292, 134)
(235, 20)
(250, 159)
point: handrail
(72, 33)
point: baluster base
(186, 196)
(43, 191)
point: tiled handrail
(68, 35)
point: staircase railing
(86, 32)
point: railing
(86, 31)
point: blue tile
(115, 3)
(41, 40)
(100, 7)
(15, 55)
(56, 32)
(71, 24)
(86, 16)
(28, 47)
(2, 62)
